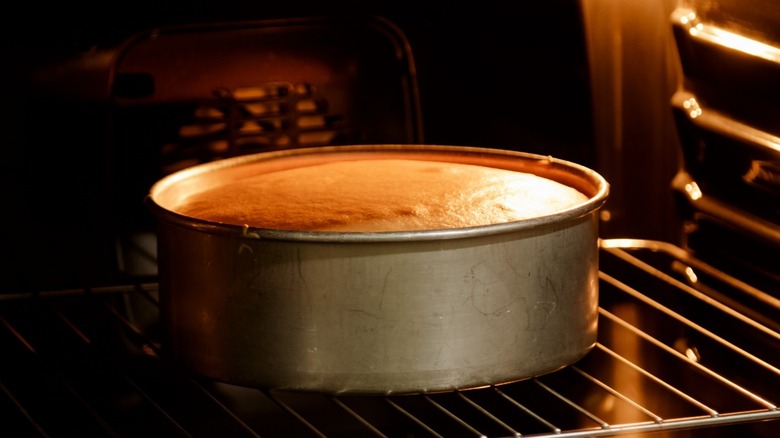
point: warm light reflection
(148, 350)
(686, 18)
(629, 347)
(306, 105)
(745, 45)
(692, 277)
(694, 110)
(728, 39)
(692, 354)
(693, 191)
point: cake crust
(380, 195)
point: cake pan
(378, 312)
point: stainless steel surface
(726, 112)
(727, 121)
(380, 312)
(671, 356)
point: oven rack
(682, 347)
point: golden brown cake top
(381, 195)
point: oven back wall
(512, 76)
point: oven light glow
(695, 30)
(692, 277)
(728, 39)
(694, 110)
(692, 353)
(693, 191)
(688, 18)
(744, 45)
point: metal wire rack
(679, 349)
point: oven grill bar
(487, 413)
(528, 412)
(614, 393)
(686, 321)
(670, 357)
(678, 355)
(357, 416)
(409, 415)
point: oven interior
(655, 96)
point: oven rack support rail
(681, 347)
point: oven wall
(526, 76)
(634, 71)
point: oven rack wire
(674, 354)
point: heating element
(673, 354)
